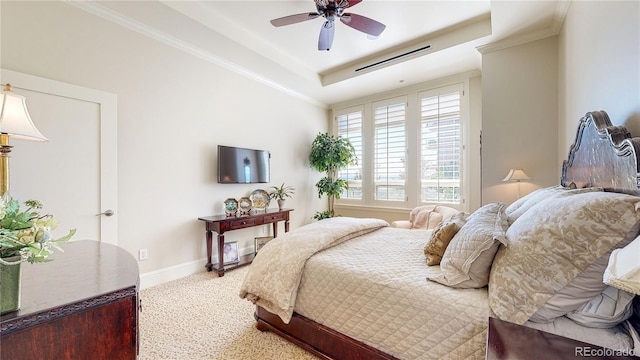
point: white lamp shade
(516, 175)
(14, 118)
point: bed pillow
(553, 242)
(466, 262)
(623, 268)
(582, 288)
(605, 310)
(520, 206)
(441, 236)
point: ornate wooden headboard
(605, 155)
(602, 155)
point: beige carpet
(202, 317)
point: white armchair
(425, 217)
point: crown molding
(515, 41)
(153, 33)
(562, 7)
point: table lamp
(516, 175)
(15, 122)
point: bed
(347, 288)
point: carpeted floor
(202, 317)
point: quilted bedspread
(373, 288)
(273, 278)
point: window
(410, 149)
(350, 127)
(440, 148)
(390, 149)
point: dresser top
(87, 272)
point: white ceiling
(287, 57)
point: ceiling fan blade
(363, 23)
(326, 35)
(293, 19)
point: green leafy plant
(281, 192)
(27, 233)
(330, 154)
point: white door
(74, 174)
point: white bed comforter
(374, 289)
(273, 278)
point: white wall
(519, 118)
(173, 110)
(534, 94)
(599, 57)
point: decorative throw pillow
(466, 262)
(441, 236)
(419, 216)
(517, 208)
(435, 218)
(553, 242)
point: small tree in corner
(330, 154)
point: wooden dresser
(82, 305)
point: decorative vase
(10, 285)
(280, 204)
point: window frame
(337, 114)
(413, 121)
(371, 185)
(444, 90)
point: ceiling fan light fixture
(330, 10)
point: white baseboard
(175, 272)
(171, 273)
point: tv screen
(242, 166)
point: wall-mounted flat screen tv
(242, 166)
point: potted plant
(280, 193)
(330, 154)
(24, 236)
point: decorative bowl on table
(230, 207)
(259, 199)
(244, 205)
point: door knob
(107, 213)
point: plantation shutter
(350, 128)
(440, 148)
(390, 151)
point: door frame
(108, 105)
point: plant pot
(10, 285)
(281, 204)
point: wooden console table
(222, 223)
(82, 305)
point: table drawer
(271, 218)
(242, 223)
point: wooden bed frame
(602, 155)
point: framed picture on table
(262, 241)
(230, 253)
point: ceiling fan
(330, 10)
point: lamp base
(5, 150)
